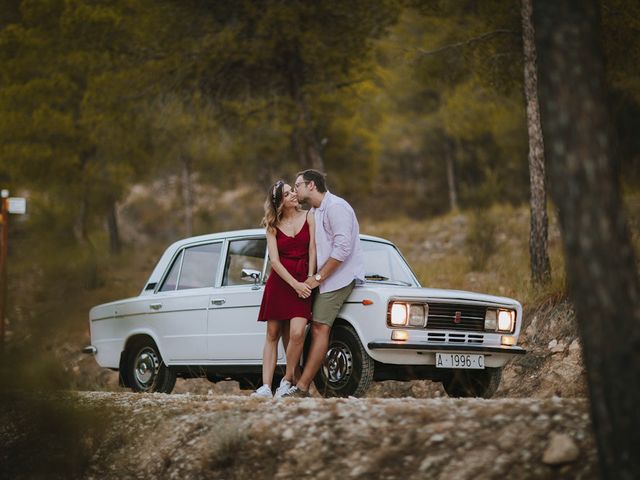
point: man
(340, 266)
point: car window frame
(227, 243)
(406, 267)
(180, 251)
(178, 255)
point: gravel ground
(239, 437)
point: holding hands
(302, 289)
(311, 283)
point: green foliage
(452, 77)
(98, 95)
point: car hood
(394, 291)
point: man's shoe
(263, 392)
(295, 392)
(285, 386)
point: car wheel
(347, 369)
(146, 371)
(472, 383)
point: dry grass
(438, 251)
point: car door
(178, 310)
(234, 334)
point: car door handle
(218, 301)
(155, 306)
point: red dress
(280, 300)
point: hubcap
(338, 364)
(146, 367)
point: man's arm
(341, 223)
(327, 269)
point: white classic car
(196, 316)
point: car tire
(472, 383)
(145, 369)
(348, 369)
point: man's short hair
(318, 178)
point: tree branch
(470, 41)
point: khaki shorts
(327, 305)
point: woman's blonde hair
(273, 206)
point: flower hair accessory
(277, 185)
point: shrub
(481, 239)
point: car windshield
(384, 264)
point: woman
(286, 304)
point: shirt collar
(325, 202)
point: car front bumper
(434, 347)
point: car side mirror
(249, 275)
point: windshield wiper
(376, 277)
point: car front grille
(447, 337)
(450, 316)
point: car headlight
(491, 320)
(500, 320)
(506, 320)
(398, 315)
(403, 314)
(417, 315)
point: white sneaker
(284, 387)
(263, 392)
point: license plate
(459, 360)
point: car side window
(243, 254)
(199, 266)
(172, 278)
(195, 267)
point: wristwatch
(318, 277)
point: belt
(301, 267)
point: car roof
(171, 250)
(251, 232)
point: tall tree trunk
(601, 268)
(187, 195)
(539, 257)
(451, 179)
(115, 245)
(80, 227)
(304, 140)
(81, 224)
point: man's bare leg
(317, 353)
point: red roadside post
(4, 240)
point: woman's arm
(272, 245)
(313, 258)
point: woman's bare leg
(285, 333)
(294, 351)
(270, 352)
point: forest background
(176, 116)
(128, 124)
(413, 108)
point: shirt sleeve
(341, 222)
